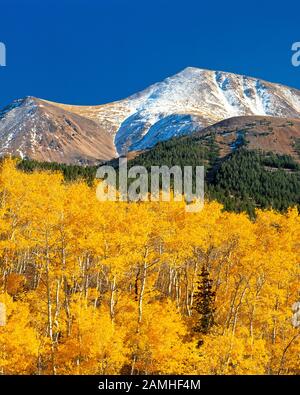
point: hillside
(268, 134)
(238, 176)
(242, 181)
(45, 132)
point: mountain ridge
(182, 104)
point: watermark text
(2, 54)
(296, 54)
(138, 184)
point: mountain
(37, 129)
(183, 104)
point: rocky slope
(37, 129)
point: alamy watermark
(296, 55)
(2, 54)
(186, 187)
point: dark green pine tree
(204, 303)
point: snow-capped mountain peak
(195, 98)
(179, 105)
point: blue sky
(96, 51)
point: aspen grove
(95, 287)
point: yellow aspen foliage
(94, 287)
(94, 346)
(18, 340)
(240, 355)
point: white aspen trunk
(112, 299)
(49, 307)
(2, 314)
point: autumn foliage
(110, 287)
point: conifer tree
(204, 303)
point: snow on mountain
(189, 101)
(179, 105)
